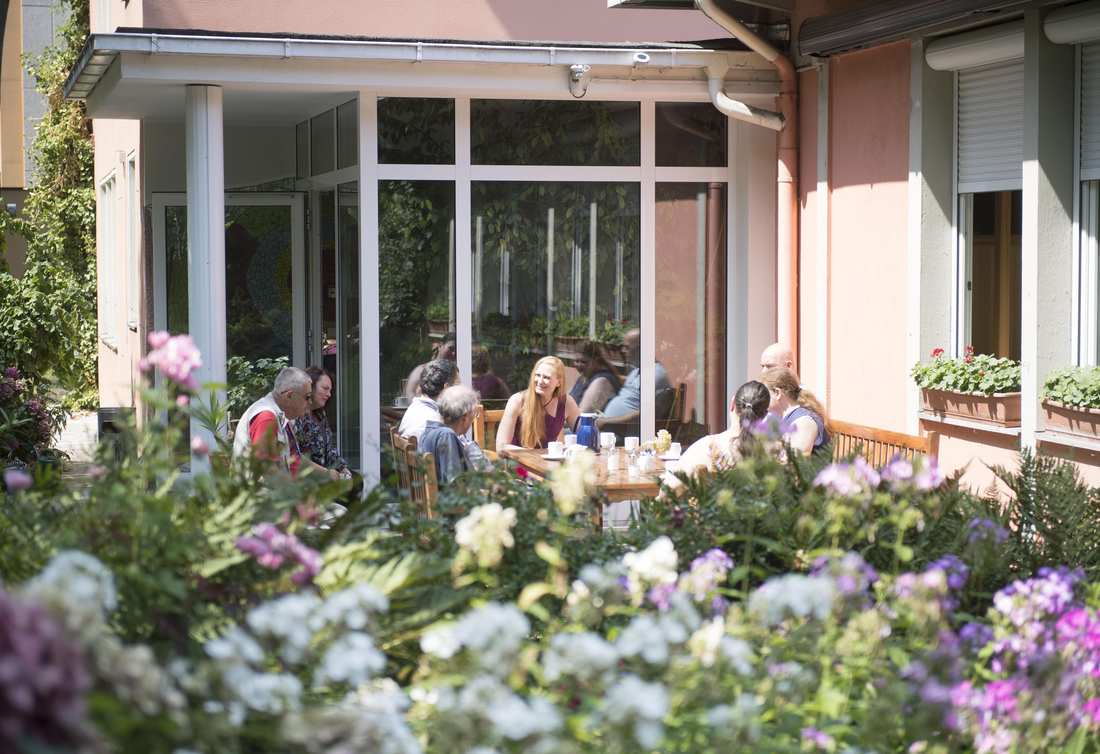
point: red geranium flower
(969, 354)
(521, 472)
(937, 352)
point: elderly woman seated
(453, 453)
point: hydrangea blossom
(372, 719)
(287, 621)
(584, 656)
(652, 566)
(493, 633)
(844, 479)
(80, 585)
(711, 643)
(485, 532)
(1027, 607)
(793, 595)
(352, 659)
(351, 608)
(639, 706)
(509, 717)
(174, 355)
(42, 696)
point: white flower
(572, 482)
(370, 720)
(580, 655)
(351, 608)
(493, 633)
(485, 532)
(235, 646)
(78, 583)
(516, 719)
(743, 716)
(287, 620)
(351, 659)
(793, 594)
(653, 637)
(654, 565)
(270, 693)
(633, 702)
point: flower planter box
(1071, 420)
(1000, 409)
(568, 345)
(438, 327)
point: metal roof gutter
(889, 20)
(101, 49)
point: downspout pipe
(787, 183)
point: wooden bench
(878, 446)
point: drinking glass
(607, 442)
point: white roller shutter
(991, 127)
(1090, 112)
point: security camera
(577, 71)
(641, 58)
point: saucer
(549, 457)
(670, 457)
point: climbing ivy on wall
(48, 316)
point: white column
(593, 249)
(647, 310)
(464, 262)
(1047, 239)
(821, 261)
(370, 378)
(206, 241)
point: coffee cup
(570, 440)
(674, 450)
(631, 443)
(555, 449)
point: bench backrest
(486, 422)
(878, 446)
(416, 473)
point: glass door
(348, 413)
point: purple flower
(816, 738)
(12, 373)
(707, 573)
(17, 479)
(272, 548)
(974, 636)
(42, 696)
(661, 596)
(848, 479)
(176, 356)
(772, 428)
(985, 530)
(922, 473)
(852, 574)
(954, 570)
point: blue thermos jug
(586, 432)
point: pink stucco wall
(868, 167)
(809, 244)
(576, 20)
(974, 454)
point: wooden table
(616, 485)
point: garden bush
(808, 606)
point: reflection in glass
(691, 135)
(416, 277)
(691, 309)
(322, 132)
(554, 264)
(555, 132)
(347, 313)
(301, 145)
(258, 278)
(326, 213)
(416, 131)
(994, 247)
(347, 134)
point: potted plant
(1071, 401)
(438, 316)
(569, 332)
(611, 336)
(976, 387)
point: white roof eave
(102, 50)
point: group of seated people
(289, 427)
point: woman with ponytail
(723, 450)
(798, 407)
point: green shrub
(248, 380)
(980, 375)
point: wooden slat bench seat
(878, 446)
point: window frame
(106, 258)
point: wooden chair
(878, 446)
(416, 473)
(486, 422)
(402, 447)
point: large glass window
(322, 136)
(348, 352)
(691, 134)
(347, 134)
(416, 277)
(554, 265)
(416, 131)
(991, 223)
(690, 373)
(540, 132)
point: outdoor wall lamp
(579, 76)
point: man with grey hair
(265, 429)
(453, 453)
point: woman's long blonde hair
(781, 378)
(533, 425)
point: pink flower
(176, 356)
(97, 472)
(183, 400)
(17, 479)
(521, 472)
(937, 352)
(272, 548)
(199, 446)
